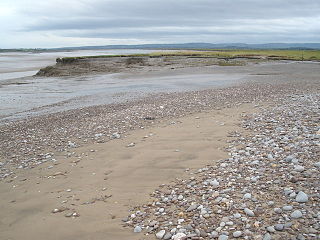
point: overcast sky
(56, 23)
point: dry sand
(128, 175)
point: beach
(171, 163)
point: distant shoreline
(185, 46)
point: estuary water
(22, 95)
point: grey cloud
(210, 8)
(191, 34)
(144, 19)
(122, 13)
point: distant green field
(297, 55)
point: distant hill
(293, 46)
(203, 46)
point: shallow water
(44, 95)
(22, 95)
(23, 64)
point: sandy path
(129, 174)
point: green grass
(296, 55)
(45, 70)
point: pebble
(271, 229)
(296, 214)
(302, 197)
(298, 168)
(167, 236)
(160, 234)
(75, 214)
(60, 209)
(214, 234)
(249, 212)
(161, 210)
(287, 208)
(69, 214)
(116, 135)
(237, 234)
(215, 183)
(131, 145)
(137, 229)
(223, 237)
(152, 223)
(180, 197)
(300, 237)
(179, 236)
(192, 207)
(277, 210)
(247, 196)
(279, 227)
(267, 236)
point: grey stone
(214, 183)
(167, 236)
(270, 203)
(131, 145)
(271, 229)
(160, 234)
(214, 234)
(292, 195)
(295, 161)
(302, 197)
(192, 207)
(237, 234)
(298, 168)
(296, 214)
(115, 135)
(137, 229)
(237, 215)
(179, 236)
(247, 196)
(267, 236)
(287, 191)
(192, 235)
(203, 234)
(288, 225)
(300, 237)
(287, 208)
(152, 223)
(249, 212)
(277, 210)
(289, 158)
(279, 227)
(223, 237)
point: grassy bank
(296, 55)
